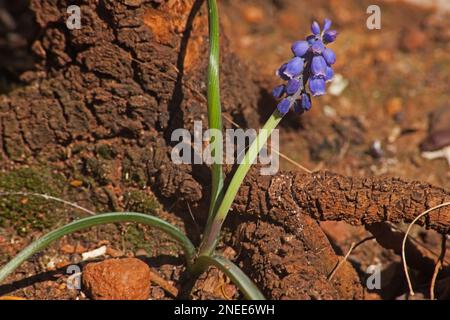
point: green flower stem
(212, 232)
(49, 238)
(214, 108)
(237, 276)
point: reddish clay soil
(97, 106)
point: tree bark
(285, 250)
(133, 73)
(330, 196)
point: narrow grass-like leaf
(213, 230)
(214, 108)
(42, 243)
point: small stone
(117, 279)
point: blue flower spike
(326, 25)
(317, 47)
(330, 56)
(306, 102)
(315, 28)
(329, 74)
(293, 86)
(307, 73)
(317, 86)
(330, 36)
(294, 67)
(319, 66)
(284, 106)
(278, 91)
(300, 48)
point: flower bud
(284, 106)
(280, 72)
(317, 86)
(317, 47)
(329, 36)
(293, 86)
(319, 66)
(298, 107)
(330, 56)
(294, 67)
(315, 28)
(299, 48)
(306, 102)
(278, 91)
(326, 25)
(311, 39)
(329, 74)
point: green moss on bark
(25, 213)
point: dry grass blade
(439, 264)
(405, 265)
(420, 244)
(47, 197)
(353, 246)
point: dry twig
(439, 264)
(47, 197)
(353, 246)
(405, 265)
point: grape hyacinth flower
(312, 63)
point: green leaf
(214, 108)
(212, 232)
(237, 276)
(51, 237)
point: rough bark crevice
(131, 75)
(285, 250)
(330, 196)
(294, 263)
